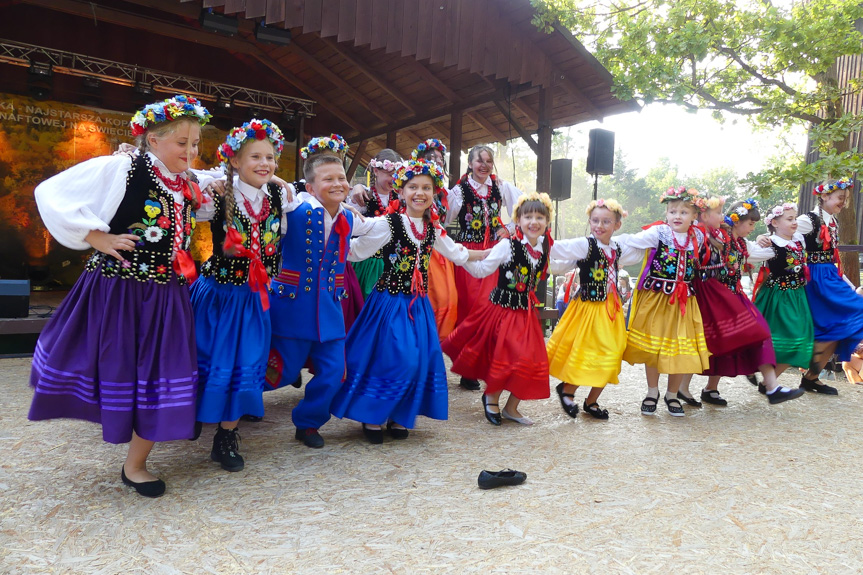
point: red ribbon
(827, 239)
(680, 294)
(417, 287)
(762, 277)
(193, 193)
(616, 307)
(567, 286)
(343, 228)
(184, 265)
(258, 278)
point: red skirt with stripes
(503, 347)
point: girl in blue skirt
(395, 368)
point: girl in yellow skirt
(666, 333)
(587, 346)
(442, 292)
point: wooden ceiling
(374, 67)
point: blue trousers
(328, 360)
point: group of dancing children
(366, 289)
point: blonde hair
(610, 205)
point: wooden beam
(455, 146)
(435, 82)
(577, 94)
(543, 156)
(392, 139)
(355, 162)
(525, 135)
(488, 127)
(372, 75)
(525, 109)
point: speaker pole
(556, 215)
(595, 184)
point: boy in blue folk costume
(305, 308)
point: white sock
(777, 388)
(653, 392)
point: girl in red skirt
(476, 202)
(501, 341)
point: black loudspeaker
(600, 153)
(14, 298)
(561, 179)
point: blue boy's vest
(307, 293)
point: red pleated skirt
(503, 347)
(729, 324)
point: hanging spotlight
(275, 36)
(218, 23)
(92, 91)
(224, 104)
(40, 79)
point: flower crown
(610, 205)
(741, 211)
(778, 211)
(385, 165)
(543, 198)
(332, 143)
(680, 194)
(430, 144)
(704, 203)
(251, 130)
(168, 111)
(840, 184)
(413, 168)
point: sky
(695, 142)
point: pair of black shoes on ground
(376, 436)
(571, 409)
(469, 384)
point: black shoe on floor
(146, 488)
(674, 407)
(298, 383)
(492, 479)
(252, 418)
(492, 417)
(816, 386)
(595, 411)
(570, 409)
(712, 397)
(762, 389)
(375, 436)
(310, 437)
(226, 449)
(469, 384)
(688, 400)
(784, 394)
(648, 405)
(397, 432)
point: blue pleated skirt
(395, 368)
(837, 311)
(233, 339)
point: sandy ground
(745, 489)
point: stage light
(224, 104)
(92, 91)
(218, 23)
(41, 71)
(143, 89)
(276, 36)
(40, 80)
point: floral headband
(430, 144)
(610, 205)
(168, 111)
(712, 203)
(385, 165)
(681, 194)
(251, 130)
(778, 211)
(543, 198)
(840, 184)
(332, 143)
(741, 211)
(413, 168)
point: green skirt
(368, 273)
(787, 314)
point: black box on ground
(14, 298)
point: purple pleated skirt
(121, 353)
(745, 361)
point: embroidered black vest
(517, 278)
(787, 267)
(593, 272)
(715, 266)
(441, 209)
(235, 270)
(373, 206)
(732, 261)
(147, 211)
(665, 263)
(815, 249)
(472, 216)
(400, 256)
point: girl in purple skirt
(120, 349)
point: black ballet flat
(816, 386)
(492, 417)
(688, 400)
(594, 410)
(397, 432)
(151, 489)
(492, 479)
(570, 409)
(375, 436)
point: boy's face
(330, 187)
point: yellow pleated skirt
(661, 337)
(586, 347)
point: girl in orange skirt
(501, 341)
